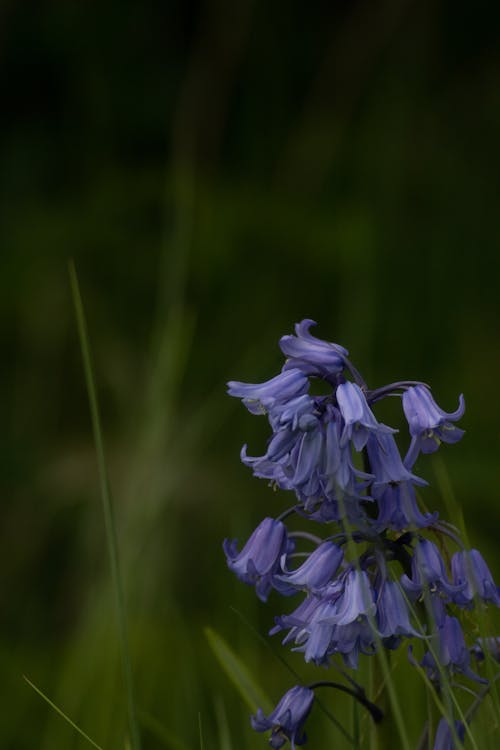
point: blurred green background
(218, 171)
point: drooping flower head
(444, 739)
(429, 424)
(259, 560)
(287, 719)
(376, 579)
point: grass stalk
(62, 714)
(107, 504)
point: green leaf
(238, 673)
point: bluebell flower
(393, 486)
(398, 508)
(351, 640)
(260, 398)
(317, 570)
(359, 420)
(312, 355)
(340, 619)
(444, 736)
(259, 560)
(483, 646)
(429, 424)
(470, 570)
(306, 455)
(393, 618)
(356, 599)
(386, 463)
(429, 573)
(451, 651)
(287, 720)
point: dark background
(218, 171)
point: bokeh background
(218, 171)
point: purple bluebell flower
(259, 560)
(451, 651)
(398, 508)
(320, 566)
(356, 599)
(351, 605)
(444, 736)
(429, 573)
(386, 463)
(312, 355)
(287, 720)
(393, 618)
(359, 420)
(483, 646)
(339, 620)
(306, 455)
(260, 398)
(429, 424)
(470, 570)
(358, 637)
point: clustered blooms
(374, 578)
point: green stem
(109, 519)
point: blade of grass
(222, 725)
(109, 519)
(62, 714)
(162, 734)
(202, 744)
(237, 672)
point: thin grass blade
(238, 673)
(62, 714)
(109, 519)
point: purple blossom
(359, 420)
(392, 612)
(312, 355)
(429, 572)
(259, 560)
(484, 646)
(398, 508)
(444, 739)
(307, 455)
(320, 566)
(351, 604)
(451, 651)
(429, 424)
(470, 571)
(287, 720)
(260, 398)
(386, 463)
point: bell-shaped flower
(452, 651)
(444, 739)
(351, 640)
(287, 720)
(398, 508)
(469, 569)
(356, 599)
(259, 560)
(359, 420)
(386, 463)
(429, 573)
(483, 646)
(260, 398)
(392, 612)
(429, 424)
(319, 568)
(312, 355)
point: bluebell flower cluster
(374, 578)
